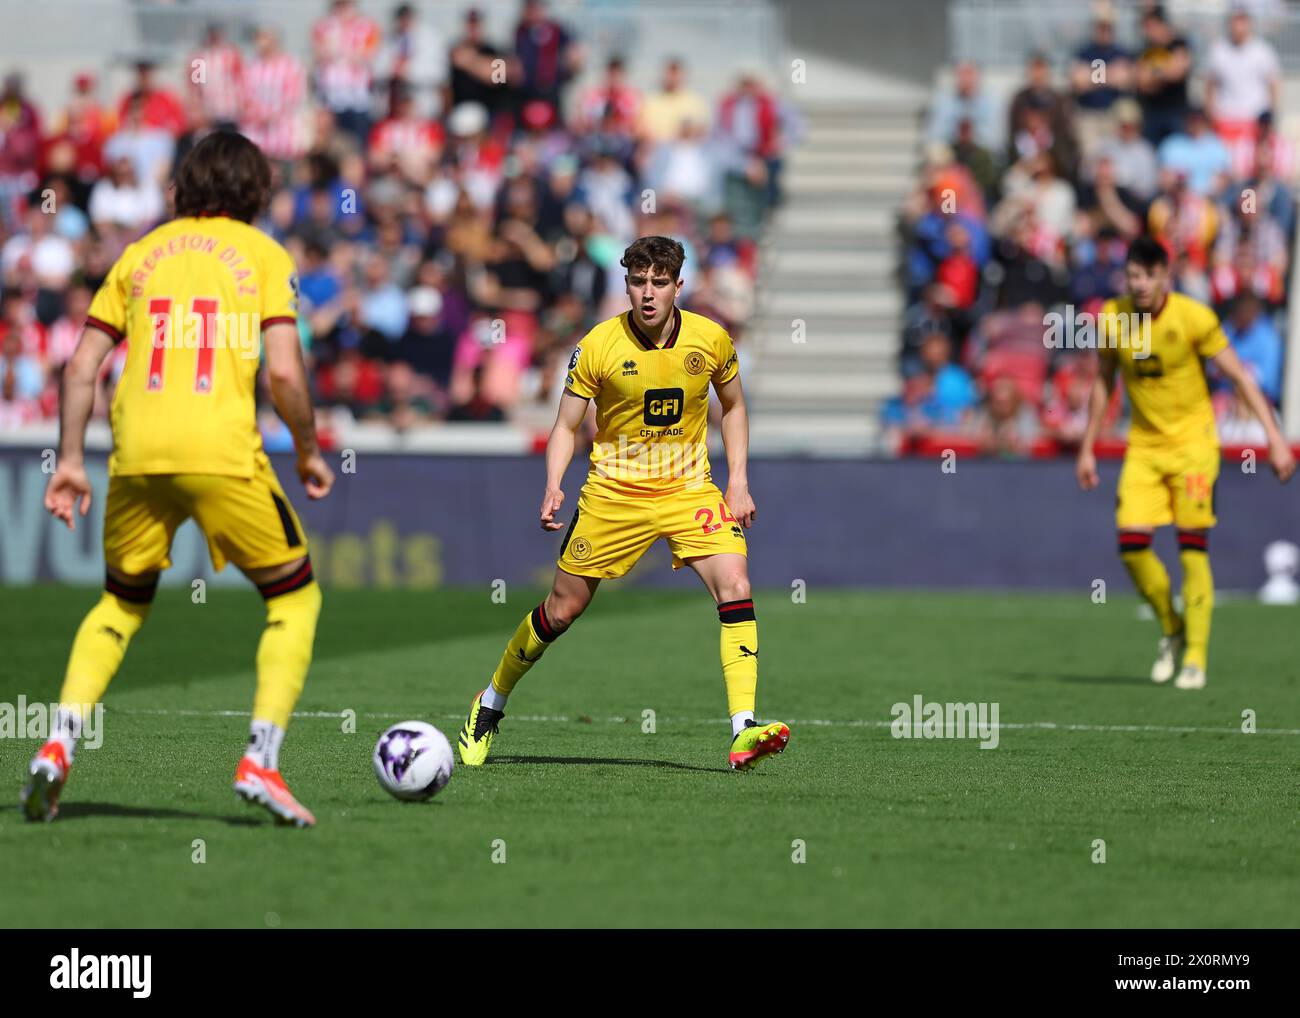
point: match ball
(413, 761)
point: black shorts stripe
(142, 594)
(296, 580)
(569, 533)
(286, 520)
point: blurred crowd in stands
(456, 206)
(1025, 210)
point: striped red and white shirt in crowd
(411, 138)
(32, 336)
(345, 45)
(1242, 146)
(273, 95)
(218, 70)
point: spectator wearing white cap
(479, 158)
(427, 345)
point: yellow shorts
(1159, 486)
(609, 532)
(247, 521)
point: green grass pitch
(603, 823)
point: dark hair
(224, 174)
(655, 253)
(1147, 252)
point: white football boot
(1167, 655)
(1190, 677)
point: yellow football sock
(101, 642)
(533, 635)
(1150, 577)
(1198, 597)
(284, 653)
(739, 649)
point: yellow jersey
(1167, 392)
(652, 402)
(190, 299)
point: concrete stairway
(829, 260)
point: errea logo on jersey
(102, 972)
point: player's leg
(1194, 517)
(568, 599)
(1198, 606)
(1143, 504)
(250, 522)
(727, 578)
(139, 523)
(605, 538)
(703, 534)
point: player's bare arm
(559, 452)
(288, 378)
(1085, 467)
(735, 439)
(70, 487)
(1280, 457)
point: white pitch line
(820, 722)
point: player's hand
(1085, 469)
(316, 476)
(1281, 459)
(68, 487)
(550, 506)
(741, 505)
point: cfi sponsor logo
(76, 971)
(695, 362)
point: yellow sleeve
(584, 376)
(108, 308)
(1208, 337)
(279, 287)
(728, 367)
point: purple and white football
(413, 760)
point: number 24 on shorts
(706, 514)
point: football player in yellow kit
(196, 300)
(1172, 461)
(648, 371)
